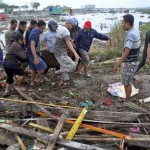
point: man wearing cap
(84, 40)
(63, 42)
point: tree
(35, 5)
(25, 7)
(8, 8)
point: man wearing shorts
(84, 40)
(130, 55)
(37, 65)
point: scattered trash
(107, 101)
(135, 130)
(117, 89)
(146, 100)
(86, 104)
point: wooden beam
(100, 115)
(41, 127)
(57, 131)
(46, 138)
(77, 146)
(20, 142)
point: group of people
(61, 46)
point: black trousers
(11, 71)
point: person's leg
(9, 79)
(41, 67)
(33, 74)
(20, 81)
(80, 66)
(128, 72)
(66, 66)
(128, 91)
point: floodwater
(103, 22)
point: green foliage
(118, 35)
(105, 54)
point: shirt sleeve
(34, 38)
(66, 35)
(44, 37)
(100, 36)
(129, 41)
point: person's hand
(77, 57)
(147, 61)
(36, 61)
(115, 69)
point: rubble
(42, 119)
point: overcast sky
(79, 3)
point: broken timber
(46, 138)
(57, 131)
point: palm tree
(35, 5)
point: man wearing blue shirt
(84, 40)
(37, 65)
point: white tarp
(117, 89)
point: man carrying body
(48, 43)
(130, 55)
(84, 40)
(37, 65)
(62, 44)
(33, 24)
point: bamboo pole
(20, 142)
(39, 103)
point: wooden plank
(46, 129)
(7, 138)
(22, 131)
(100, 115)
(57, 131)
(37, 105)
(46, 138)
(77, 146)
(136, 107)
(33, 102)
(20, 142)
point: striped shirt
(133, 42)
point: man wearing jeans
(62, 44)
(37, 65)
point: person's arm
(101, 36)
(148, 54)
(7, 38)
(33, 50)
(123, 57)
(19, 52)
(128, 45)
(43, 42)
(69, 44)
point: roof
(3, 16)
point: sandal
(87, 75)
(61, 83)
(39, 81)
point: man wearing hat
(84, 40)
(63, 42)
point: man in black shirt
(145, 51)
(33, 24)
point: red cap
(87, 24)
